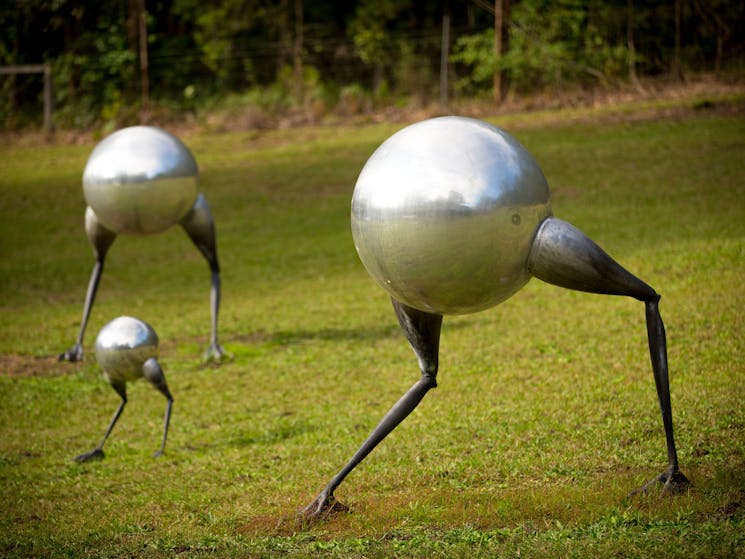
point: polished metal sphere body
(140, 180)
(444, 214)
(123, 346)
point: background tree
(676, 68)
(501, 46)
(372, 30)
(203, 54)
(718, 18)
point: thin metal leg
(101, 240)
(154, 373)
(166, 421)
(423, 333)
(97, 453)
(75, 353)
(215, 352)
(672, 479)
(200, 227)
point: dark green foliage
(200, 52)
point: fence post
(45, 69)
(444, 59)
(48, 100)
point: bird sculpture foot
(320, 509)
(75, 353)
(673, 482)
(95, 454)
(157, 454)
(216, 354)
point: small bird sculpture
(126, 350)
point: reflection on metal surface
(444, 212)
(140, 180)
(123, 346)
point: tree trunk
(723, 31)
(444, 49)
(71, 32)
(297, 51)
(633, 77)
(720, 54)
(283, 28)
(501, 46)
(676, 69)
(132, 26)
(144, 76)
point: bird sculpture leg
(672, 479)
(97, 453)
(101, 239)
(562, 255)
(152, 372)
(200, 227)
(423, 333)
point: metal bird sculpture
(452, 215)
(126, 350)
(142, 180)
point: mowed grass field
(545, 417)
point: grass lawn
(544, 419)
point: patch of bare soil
(14, 365)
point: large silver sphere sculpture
(452, 215)
(140, 181)
(126, 350)
(444, 214)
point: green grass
(544, 419)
